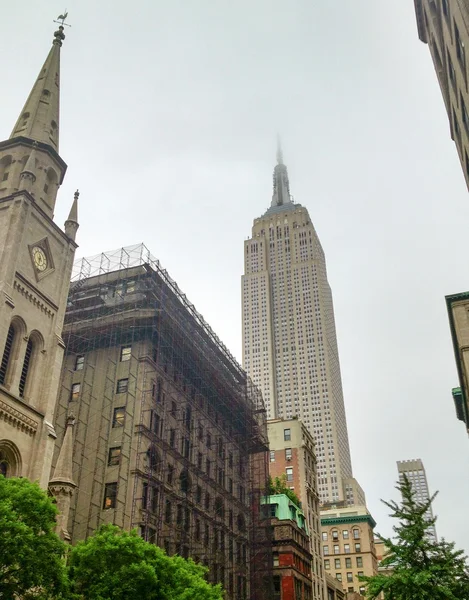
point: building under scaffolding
(170, 434)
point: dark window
(179, 514)
(348, 563)
(198, 495)
(170, 475)
(197, 530)
(337, 563)
(168, 511)
(460, 50)
(356, 534)
(208, 466)
(359, 561)
(118, 417)
(287, 435)
(114, 456)
(174, 409)
(5, 176)
(75, 391)
(110, 495)
(126, 353)
(172, 437)
(155, 422)
(230, 460)
(199, 460)
(188, 417)
(184, 482)
(207, 501)
(153, 457)
(445, 7)
(79, 362)
(25, 369)
(122, 386)
(230, 485)
(209, 440)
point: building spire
(39, 119)
(62, 485)
(71, 224)
(281, 192)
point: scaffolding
(171, 434)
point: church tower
(36, 258)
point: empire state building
(289, 337)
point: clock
(39, 258)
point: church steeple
(29, 159)
(281, 192)
(39, 119)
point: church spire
(281, 192)
(39, 119)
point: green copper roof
(345, 519)
(284, 509)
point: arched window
(5, 165)
(10, 459)
(26, 367)
(7, 353)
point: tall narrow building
(36, 258)
(444, 26)
(289, 338)
(415, 472)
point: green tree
(420, 568)
(118, 565)
(279, 486)
(31, 554)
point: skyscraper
(289, 338)
(444, 27)
(415, 472)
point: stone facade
(348, 545)
(36, 258)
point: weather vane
(61, 19)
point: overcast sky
(170, 112)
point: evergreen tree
(419, 567)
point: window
(465, 115)
(75, 392)
(338, 576)
(198, 495)
(208, 467)
(348, 563)
(126, 353)
(335, 535)
(114, 456)
(272, 456)
(110, 495)
(350, 590)
(358, 547)
(445, 7)
(199, 460)
(360, 573)
(118, 417)
(460, 50)
(79, 362)
(337, 563)
(209, 440)
(25, 369)
(288, 454)
(289, 471)
(207, 501)
(174, 409)
(347, 548)
(172, 438)
(359, 561)
(276, 560)
(170, 475)
(5, 176)
(356, 534)
(345, 534)
(336, 549)
(349, 577)
(362, 590)
(324, 536)
(155, 422)
(327, 564)
(122, 386)
(325, 550)
(168, 511)
(287, 435)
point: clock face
(40, 258)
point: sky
(169, 118)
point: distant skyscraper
(289, 338)
(415, 472)
(444, 27)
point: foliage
(420, 568)
(31, 554)
(279, 486)
(122, 566)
